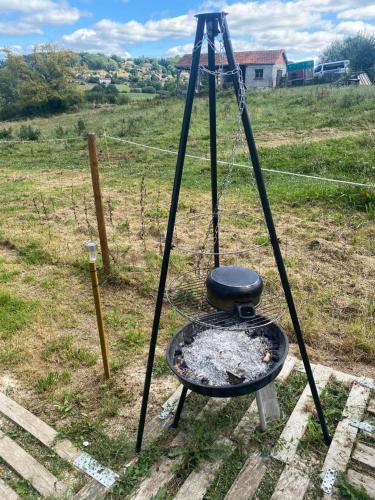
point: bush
(111, 98)
(80, 127)
(149, 90)
(29, 133)
(6, 133)
(123, 99)
(103, 93)
(60, 132)
(97, 97)
(349, 100)
(93, 79)
(130, 126)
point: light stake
(91, 248)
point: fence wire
(47, 194)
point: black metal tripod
(216, 23)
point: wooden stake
(94, 165)
(99, 317)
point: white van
(332, 68)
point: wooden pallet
(26, 466)
(294, 479)
(344, 454)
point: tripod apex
(210, 15)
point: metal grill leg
(179, 408)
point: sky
(166, 28)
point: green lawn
(48, 339)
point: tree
(103, 93)
(99, 61)
(39, 83)
(359, 49)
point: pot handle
(245, 311)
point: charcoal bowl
(273, 331)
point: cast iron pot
(187, 333)
(234, 289)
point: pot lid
(233, 280)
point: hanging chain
(237, 135)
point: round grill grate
(187, 295)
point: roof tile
(248, 57)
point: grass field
(121, 87)
(49, 351)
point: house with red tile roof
(260, 68)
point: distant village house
(260, 68)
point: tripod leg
(179, 408)
(170, 227)
(272, 231)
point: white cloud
(88, 40)
(179, 50)
(360, 13)
(56, 15)
(353, 27)
(18, 29)
(245, 18)
(27, 17)
(333, 6)
(261, 24)
(299, 26)
(25, 5)
(111, 35)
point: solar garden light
(92, 252)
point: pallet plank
(198, 481)
(248, 480)
(37, 428)
(64, 448)
(339, 452)
(357, 479)
(164, 471)
(31, 470)
(250, 419)
(161, 473)
(287, 369)
(156, 425)
(293, 483)
(343, 439)
(22, 417)
(365, 454)
(92, 490)
(287, 444)
(7, 493)
(345, 378)
(153, 429)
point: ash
(221, 357)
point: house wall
(269, 75)
(267, 80)
(277, 67)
